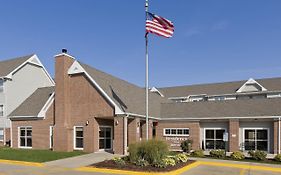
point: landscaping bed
(111, 164)
(31, 155)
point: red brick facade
(233, 135)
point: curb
(126, 172)
(15, 162)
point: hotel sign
(175, 141)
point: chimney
(62, 127)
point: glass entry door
(214, 139)
(256, 139)
(105, 138)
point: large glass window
(25, 137)
(176, 132)
(1, 110)
(79, 137)
(256, 139)
(214, 139)
(105, 137)
(1, 134)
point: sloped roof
(271, 84)
(34, 103)
(7, 66)
(227, 108)
(129, 97)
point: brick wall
(118, 140)
(40, 130)
(275, 136)
(174, 142)
(233, 135)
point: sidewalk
(79, 161)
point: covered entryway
(105, 138)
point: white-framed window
(1, 110)
(1, 134)
(176, 131)
(256, 139)
(213, 138)
(219, 98)
(78, 137)
(1, 85)
(25, 137)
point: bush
(153, 151)
(169, 161)
(277, 158)
(217, 153)
(119, 161)
(197, 153)
(237, 155)
(257, 155)
(186, 145)
(142, 162)
(180, 158)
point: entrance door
(256, 139)
(214, 139)
(105, 138)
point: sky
(214, 40)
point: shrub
(197, 153)
(160, 164)
(237, 155)
(180, 158)
(186, 145)
(277, 158)
(169, 161)
(257, 155)
(153, 151)
(217, 153)
(142, 162)
(119, 161)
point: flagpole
(146, 73)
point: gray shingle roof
(127, 96)
(271, 84)
(7, 66)
(227, 108)
(34, 103)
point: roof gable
(251, 86)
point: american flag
(159, 26)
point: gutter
(279, 135)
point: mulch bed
(110, 164)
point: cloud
(220, 25)
(191, 32)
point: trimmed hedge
(237, 155)
(217, 153)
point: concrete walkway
(79, 161)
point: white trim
(74, 137)
(217, 118)
(154, 89)
(250, 81)
(77, 65)
(11, 133)
(29, 60)
(111, 136)
(125, 120)
(175, 135)
(3, 135)
(64, 54)
(256, 128)
(279, 135)
(139, 115)
(210, 128)
(51, 133)
(46, 106)
(24, 147)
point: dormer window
(219, 98)
(251, 86)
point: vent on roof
(64, 50)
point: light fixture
(87, 122)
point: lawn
(35, 155)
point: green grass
(30, 155)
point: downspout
(125, 133)
(279, 135)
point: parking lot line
(242, 166)
(242, 172)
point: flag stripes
(159, 26)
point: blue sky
(214, 40)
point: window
(256, 139)
(176, 132)
(1, 134)
(219, 98)
(214, 139)
(25, 137)
(51, 136)
(78, 137)
(1, 85)
(1, 110)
